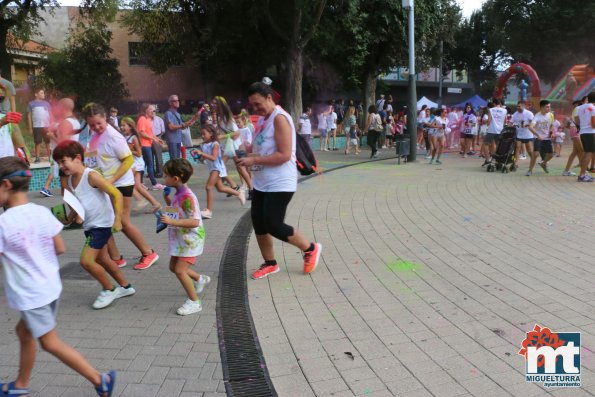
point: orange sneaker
(264, 271)
(311, 258)
(120, 262)
(146, 261)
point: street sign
(452, 90)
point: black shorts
(468, 136)
(268, 214)
(98, 237)
(39, 135)
(526, 140)
(489, 138)
(126, 190)
(543, 147)
(588, 141)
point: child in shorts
(186, 233)
(102, 204)
(29, 242)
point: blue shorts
(41, 320)
(521, 140)
(98, 237)
(323, 132)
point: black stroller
(503, 159)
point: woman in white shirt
(275, 181)
(437, 131)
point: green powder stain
(402, 266)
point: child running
(186, 233)
(128, 129)
(101, 218)
(29, 242)
(211, 155)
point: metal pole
(412, 91)
(440, 73)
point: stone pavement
(430, 276)
(155, 351)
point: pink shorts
(188, 259)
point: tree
(20, 18)
(84, 68)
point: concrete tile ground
(429, 278)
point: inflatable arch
(515, 69)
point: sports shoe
(146, 261)
(568, 173)
(437, 162)
(486, 162)
(157, 186)
(523, 157)
(585, 178)
(206, 214)
(264, 271)
(544, 166)
(242, 197)
(189, 307)
(201, 283)
(105, 298)
(123, 292)
(311, 258)
(470, 153)
(46, 192)
(428, 156)
(431, 161)
(529, 173)
(121, 262)
(36, 161)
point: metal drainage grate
(244, 369)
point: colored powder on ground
(402, 266)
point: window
(136, 56)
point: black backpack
(304, 157)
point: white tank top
(75, 127)
(6, 146)
(278, 178)
(97, 204)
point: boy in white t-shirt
(542, 128)
(331, 126)
(29, 242)
(585, 119)
(521, 119)
(102, 204)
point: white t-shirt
(76, 125)
(105, 153)
(305, 125)
(331, 121)
(6, 146)
(471, 124)
(585, 113)
(498, 118)
(274, 178)
(40, 113)
(28, 255)
(97, 204)
(321, 121)
(542, 123)
(185, 242)
(522, 121)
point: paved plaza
(429, 278)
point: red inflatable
(515, 69)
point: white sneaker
(242, 197)
(206, 214)
(201, 283)
(523, 157)
(105, 298)
(429, 156)
(123, 292)
(189, 307)
(568, 173)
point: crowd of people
(100, 163)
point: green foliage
(84, 68)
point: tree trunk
(369, 94)
(5, 58)
(293, 85)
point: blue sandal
(12, 391)
(107, 386)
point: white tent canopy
(426, 101)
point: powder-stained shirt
(185, 242)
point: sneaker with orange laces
(311, 258)
(146, 261)
(264, 271)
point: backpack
(304, 157)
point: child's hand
(166, 220)
(117, 226)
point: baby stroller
(504, 156)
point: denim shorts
(41, 320)
(98, 237)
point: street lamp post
(440, 71)
(412, 91)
